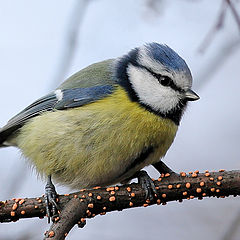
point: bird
(105, 123)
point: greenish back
(94, 75)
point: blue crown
(167, 57)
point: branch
(75, 207)
(71, 41)
(216, 27)
(232, 228)
(234, 12)
(216, 61)
(219, 23)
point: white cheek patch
(151, 92)
(59, 94)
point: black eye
(164, 80)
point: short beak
(190, 95)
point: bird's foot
(50, 200)
(82, 223)
(147, 185)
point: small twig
(233, 227)
(217, 26)
(234, 12)
(101, 200)
(155, 5)
(216, 61)
(71, 41)
(219, 23)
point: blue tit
(106, 122)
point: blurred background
(43, 42)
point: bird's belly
(94, 145)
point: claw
(81, 224)
(50, 199)
(147, 185)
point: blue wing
(59, 100)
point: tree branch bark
(75, 207)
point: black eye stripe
(158, 76)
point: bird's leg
(50, 199)
(147, 184)
(163, 168)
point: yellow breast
(95, 144)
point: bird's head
(158, 78)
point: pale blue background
(33, 35)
